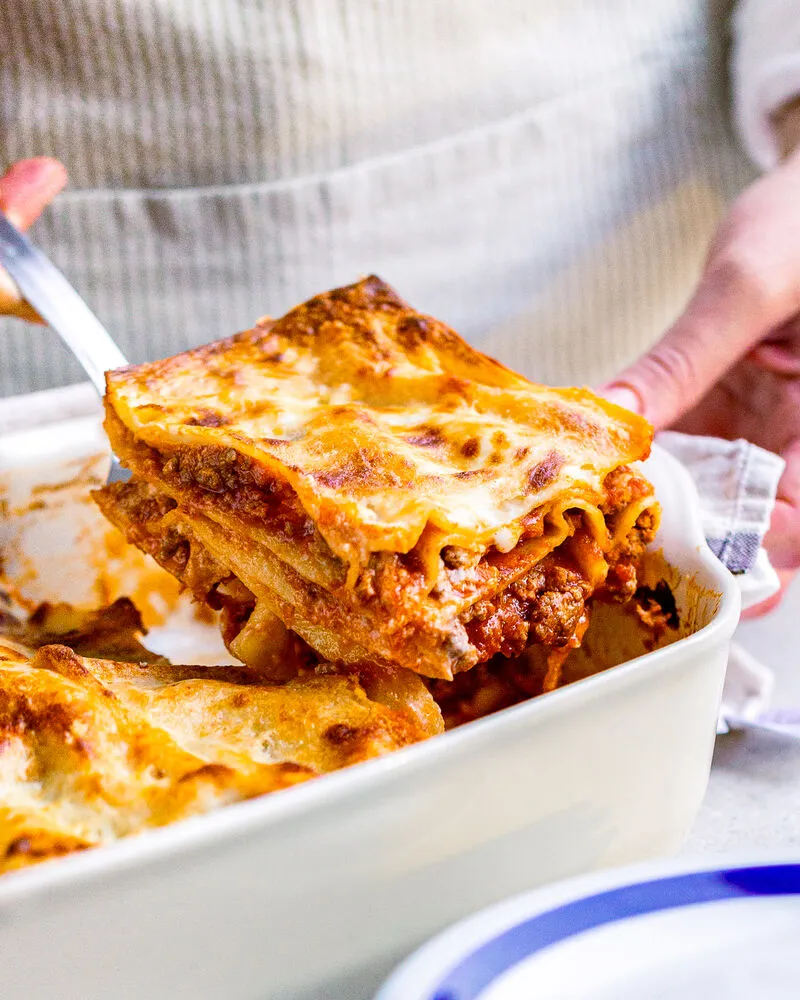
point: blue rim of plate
(481, 967)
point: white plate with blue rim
(654, 932)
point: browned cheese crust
(92, 750)
(357, 474)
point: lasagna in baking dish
(94, 749)
(355, 482)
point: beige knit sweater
(544, 176)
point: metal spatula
(57, 302)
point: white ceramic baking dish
(316, 892)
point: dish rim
(243, 819)
(420, 976)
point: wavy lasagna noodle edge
(358, 473)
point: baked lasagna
(93, 750)
(354, 482)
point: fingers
(25, 189)
(11, 302)
(750, 287)
(28, 187)
(786, 576)
(780, 352)
(783, 538)
(729, 313)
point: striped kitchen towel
(737, 483)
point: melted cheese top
(92, 750)
(384, 422)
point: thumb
(25, 189)
(749, 288)
(724, 319)
(29, 186)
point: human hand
(730, 365)
(25, 189)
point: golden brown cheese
(383, 422)
(357, 472)
(92, 750)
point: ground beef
(545, 606)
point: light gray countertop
(753, 797)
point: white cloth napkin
(737, 484)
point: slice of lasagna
(356, 475)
